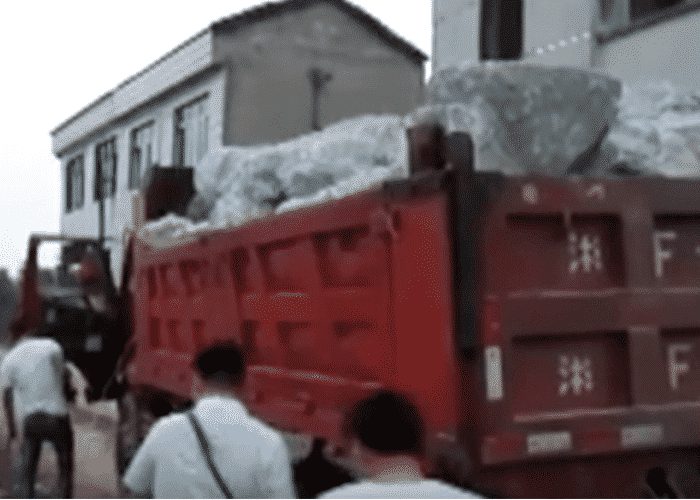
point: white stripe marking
(640, 436)
(494, 373)
(548, 442)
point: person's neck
(396, 469)
(213, 391)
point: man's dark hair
(17, 327)
(387, 423)
(222, 363)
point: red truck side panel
(330, 303)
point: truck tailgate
(591, 293)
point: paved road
(94, 427)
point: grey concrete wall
(551, 24)
(456, 25)
(269, 93)
(669, 50)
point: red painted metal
(592, 305)
(28, 313)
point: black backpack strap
(206, 451)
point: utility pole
(319, 81)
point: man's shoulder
(9, 355)
(35, 345)
(48, 345)
(18, 347)
(168, 427)
(359, 489)
(423, 489)
(268, 433)
(445, 490)
(14, 355)
(173, 421)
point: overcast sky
(57, 56)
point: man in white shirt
(32, 376)
(236, 455)
(387, 435)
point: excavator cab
(77, 304)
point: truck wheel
(135, 419)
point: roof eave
(110, 93)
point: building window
(620, 14)
(141, 154)
(613, 15)
(501, 29)
(643, 8)
(75, 183)
(191, 132)
(607, 9)
(106, 169)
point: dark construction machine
(78, 305)
(547, 328)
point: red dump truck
(547, 328)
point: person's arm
(63, 370)
(278, 473)
(8, 405)
(68, 386)
(140, 475)
(7, 394)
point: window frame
(73, 202)
(99, 176)
(640, 9)
(135, 177)
(179, 132)
(625, 23)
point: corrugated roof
(263, 12)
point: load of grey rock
(524, 119)
(528, 119)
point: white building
(633, 40)
(266, 74)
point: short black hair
(223, 363)
(388, 423)
(18, 326)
